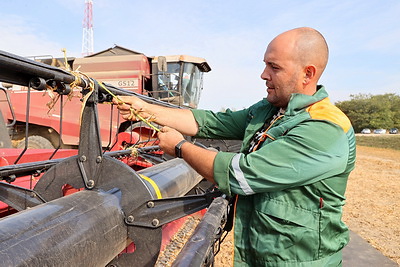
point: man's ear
(309, 73)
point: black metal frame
(92, 169)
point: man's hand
(200, 159)
(169, 138)
(126, 103)
(180, 119)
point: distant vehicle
(380, 131)
(366, 131)
(394, 131)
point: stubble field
(373, 191)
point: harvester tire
(36, 142)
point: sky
(363, 38)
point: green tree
(372, 111)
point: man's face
(282, 74)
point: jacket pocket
(284, 232)
(295, 215)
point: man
(291, 174)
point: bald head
(294, 62)
(308, 47)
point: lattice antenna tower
(87, 40)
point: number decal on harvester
(124, 83)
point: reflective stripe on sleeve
(239, 175)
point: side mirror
(162, 64)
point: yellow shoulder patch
(325, 110)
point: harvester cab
(178, 79)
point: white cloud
(24, 39)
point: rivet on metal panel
(130, 218)
(90, 184)
(155, 222)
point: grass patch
(391, 141)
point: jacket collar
(299, 102)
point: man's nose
(265, 75)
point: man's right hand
(180, 119)
(126, 103)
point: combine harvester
(88, 207)
(174, 79)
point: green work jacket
(291, 190)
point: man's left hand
(169, 138)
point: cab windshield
(181, 84)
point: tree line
(372, 111)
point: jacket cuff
(200, 118)
(222, 164)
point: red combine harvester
(173, 79)
(92, 206)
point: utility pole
(87, 40)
